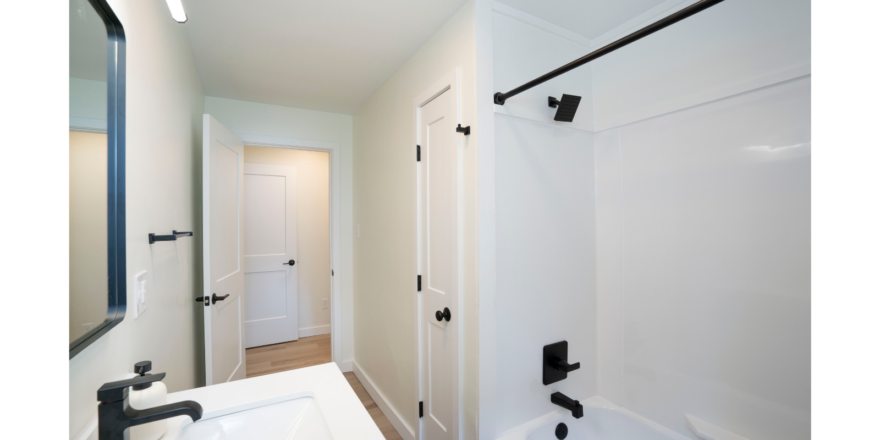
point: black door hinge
(418, 153)
(331, 273)
(420, 283)
(421, 410)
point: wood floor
(306, 352)
(381, 421)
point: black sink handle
(116, 391)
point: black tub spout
(577, 410)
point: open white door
(439, 266)
(270, 269)
(223, 260)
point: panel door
(270, 269)
(222, 216)
(439, 259)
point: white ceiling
(328, 55)
(589, 18)
(332, 55)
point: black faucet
(115, 415)
(577, 410)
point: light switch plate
(140, 294)
(325, 303)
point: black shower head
(568, 106)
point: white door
(270, 255)
(222, 223)
(438, 249)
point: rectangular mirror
(97, 172)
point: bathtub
(602, 420)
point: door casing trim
(335, 150)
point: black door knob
(215, 298)
(445, 314)
(289, 263)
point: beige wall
(164, 107)
(384, 256)
(88, 231)
(312, 227)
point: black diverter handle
(562, 365)
(556, 366)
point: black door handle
(215, 298)
(445, 314)
(290, 263)
(206, 299)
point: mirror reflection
(88, 290)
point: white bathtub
(602, 420)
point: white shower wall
(678, 266)
(704, 264)
(546, 290)
(546, 264)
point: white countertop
(346, 417)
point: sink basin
(291, 420)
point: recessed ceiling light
(177, 12)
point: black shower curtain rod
(631, 38)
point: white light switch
(140, 294)
(325, 302)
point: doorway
(287, 258)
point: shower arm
(669, 20)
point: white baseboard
(396, 421)
(314, 331)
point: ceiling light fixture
(177, 12)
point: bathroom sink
(291, 420)
(312, 403)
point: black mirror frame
(116, 292)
